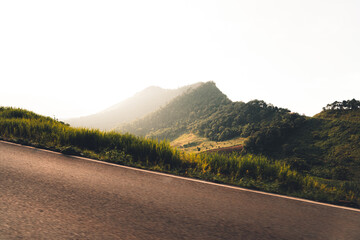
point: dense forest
(238, 119)
(327, 145)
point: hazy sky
(73, 58)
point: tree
(344, 105)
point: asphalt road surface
(45, 195)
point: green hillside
(327, 145)
(237, 119)
(26, 127)
(345, 110)
(207, 112)
(180, 115)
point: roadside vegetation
(241, 169)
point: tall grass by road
(246, 170)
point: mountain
(141, 104)
(207, 112)
(180, 114)
(326, 145)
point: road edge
(191, 179)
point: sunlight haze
(75, 58)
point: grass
(192, 143)
(245, 170)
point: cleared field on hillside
(193, 143)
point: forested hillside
(238, 119)
(207, 112)
(327, 145)
(181, 114)
(340, 111)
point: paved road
(45, 195)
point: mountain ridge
(205, 111)
(178, 116)
(137, 106)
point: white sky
(74, 58)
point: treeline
(347, 110)
(239, 169)
(344, 105)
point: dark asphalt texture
(44, 195)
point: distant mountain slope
(180, 114)
(141, 104)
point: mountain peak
(142, 103)
(198, 101)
